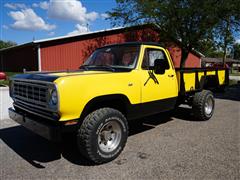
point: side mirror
(159, 66)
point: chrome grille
(31, 92)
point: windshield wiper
(85, 67)
(105, 67)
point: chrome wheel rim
(109, 136)
(208, 106)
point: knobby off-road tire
(203, 105)
(102, 135)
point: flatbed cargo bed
(196, 79)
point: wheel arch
(116, 101)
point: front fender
(75, 92)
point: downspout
(39, 58)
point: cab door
(159, 91)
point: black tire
(203, 105)
(94, 133)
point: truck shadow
(140, 125)
(231, 93)
(184, 113)
(37, 150)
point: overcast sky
(24, 20)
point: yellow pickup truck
(116, 83)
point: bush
(9, 75)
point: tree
(6, 44)
(210, 49)
(189, 21)
(228, 24)
(236, 51)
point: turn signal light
(72, 122)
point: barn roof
(100, 32)
(82, 34)
(219, 60)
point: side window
(150, 55)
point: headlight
(53, 100)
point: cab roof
(132, 44)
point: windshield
(114, 57)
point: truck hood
(52, 76)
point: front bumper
(49, 130)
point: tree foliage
(236, 51)
(190, 21)
(210, 49)
(228, 24)
(6, 44)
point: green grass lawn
(235, 74)
(232, 82)
(9, 75)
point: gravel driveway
(159, 147)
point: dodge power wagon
(117, 83)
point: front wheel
(103, 135)
(203, 105)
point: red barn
(69, 52)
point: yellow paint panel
(76, 91)
(211, 72)
(200, 74)
(189, 79)
(221, 76)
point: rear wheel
(103, 135)
(203, 105)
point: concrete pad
(5, 102)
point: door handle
(171, 75)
